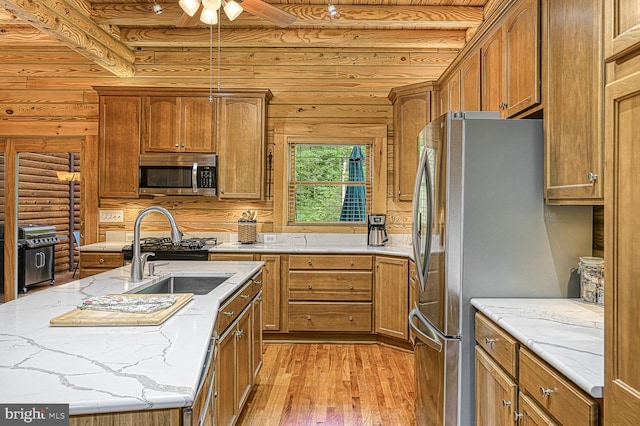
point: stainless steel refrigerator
(481, 229)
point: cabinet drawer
(230, 257)
(232, 308)
(562, 399)
(330, 262)
(497, 343)
(101, 260)
(330, 317)
(330, 285)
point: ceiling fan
(206, 11)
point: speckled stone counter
(566, 333)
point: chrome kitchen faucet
(137, 261)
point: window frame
(373, 135)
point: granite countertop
(109, 369)
(567, 333)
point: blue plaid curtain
(353, 205)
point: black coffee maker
(377, 227)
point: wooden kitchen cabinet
(330, 293)
(179, 124)
(621, 28)
(622, 224)
(510, 62)
(513, 383)
(450, 99)
(119, 145)
(92, 263)
(573, 106)
(241, 146)
(391, 297)
(256, 328)
(413, 108)
(270, 292)
(496, 393)
(470, 83)
(234, 344)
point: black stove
(164, 249)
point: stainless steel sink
(195, 285)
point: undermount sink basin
(195, 285)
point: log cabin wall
(46, 90)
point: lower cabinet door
(243, 368)
(225, 379)
(531, 414)
(496, 393)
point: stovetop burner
(164, 249)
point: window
(329, 183)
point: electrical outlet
(110, 216)
(269, 239)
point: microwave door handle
(432, 340)
(194, 177)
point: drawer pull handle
(258, 282)
(350, 317)
(545, 392)
(489, 340)
(101, 261)
(229, 314)
(309, 286)
(244, 296)
(239, 333)
(309, 317)
(506, 403)
(309, 262)
(259, 299)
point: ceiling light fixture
(190, 7)
(232, 9)
(157, 8)
(333, 11)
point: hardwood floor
(332, 384)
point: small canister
(591, 270)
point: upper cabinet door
(241, 148)
(161, 123)
(119, 146)
(470, 83)
(197, 124)
(492, 72)
(522, 53)
(573, 105)
(622, 28)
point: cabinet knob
(258, 282)
(309, 317)
(309, 262)
(177, 145)
(351, 263)
(222, 190)
(350, 317)
(545, 392)
(592, 177)
(517, 416)
(350, 286)
(239, 333)
(101, 261)
(309, 286)
(182, 145)
(506, 403)
(229, 314)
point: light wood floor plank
(332, 384)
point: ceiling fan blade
(189, 21)
(268, 12)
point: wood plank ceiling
(108, 32)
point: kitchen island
(114, 368)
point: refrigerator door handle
(433, 341)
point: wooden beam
(65, 23)
(352, 16)
(199, 37)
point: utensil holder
(247, 231)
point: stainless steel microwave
(178, 174)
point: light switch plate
(111, 216)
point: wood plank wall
(46, 89)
